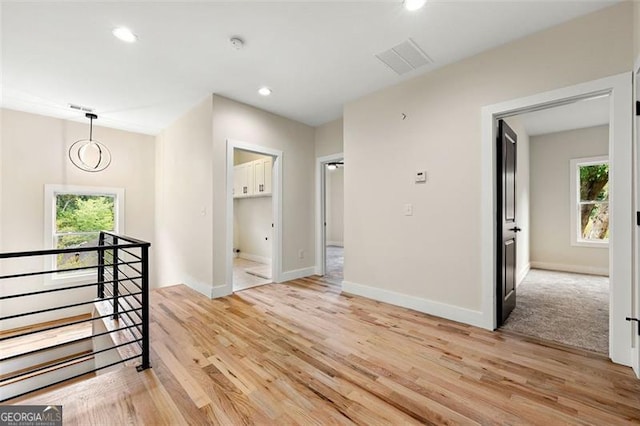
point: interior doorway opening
(330, 218)
(562, 195)
(561, 210)
(254, 215)
(252, 219)
(619, 90)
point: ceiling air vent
(80, 108)
(405, 57)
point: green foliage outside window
(79, 220)
(594, 201)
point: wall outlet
(300, 254)
(408, 209)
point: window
(590, 202)
(75, 217)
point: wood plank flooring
(302, 353)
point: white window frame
(574, 189)
(50, 193)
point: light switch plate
(408, 209)
(421, 176)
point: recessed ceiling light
(264, 91)
(125, 34)
(414, 4)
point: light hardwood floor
(303, 353)
(242, 280)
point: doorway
(620, 242)
(561, 273)
(252, 219)
(254, 215)
(330, 214)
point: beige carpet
(572, 309)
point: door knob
(515, 229)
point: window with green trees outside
(79, 218)
(593, 201)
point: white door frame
(276, 203)
(321, 234)
(635, 358)
(619, 88)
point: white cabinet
(262, 176)
(243, 180)
(252, 179)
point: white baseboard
(578, 269)
(523, 273)
(297, 273)
(335, 243)
(255, 258)
(209, 291)
(200, 287)
(454, 313)
(220, 291)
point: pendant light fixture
(88, 154)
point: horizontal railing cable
(73, 377)
(126, 278)
(131, 254)
(126, 313)
(58, 326)
(64, 361)
(35, 293)
(41, 311)
(62, 271)
(71, 342)
(121, 285)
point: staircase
(67, 353)
(40, 355)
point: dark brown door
(507, 226)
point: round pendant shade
(88, 154)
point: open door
(507, 228)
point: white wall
(34, 152)
(252, 219)
(234, 120)
(328, 138)
(191, 187)
(252, 226)
(184, 207)
(335, 206)
(523, 196)
(431, 260)
(636, 29)
(550, 205)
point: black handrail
(63, 251)
(126, 290)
